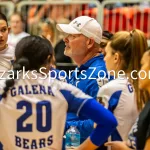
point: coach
(83, 36)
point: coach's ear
(90, 43)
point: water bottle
(72, 137)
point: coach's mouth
(67, 47)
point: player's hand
(118, 145)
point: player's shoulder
(68, 88)
(113, 85)
(60, 85)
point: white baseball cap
(83, 25)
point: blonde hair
(131, 46)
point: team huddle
(36, 113)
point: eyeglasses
(72, 36)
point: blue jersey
(36, 111)
(87, 78)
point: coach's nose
(66, 39)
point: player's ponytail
(18, 65)
(139, 46)
(131, 47)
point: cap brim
(67, 29)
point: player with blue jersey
(33, 108)
(121, 96)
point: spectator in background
(82, 45)
(17, 29)
(105, 39)
(48, 30)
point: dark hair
(31, 52)
(131, 47)
(3, 17)
(107, 35)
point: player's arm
(106, 123)
(87, 145)
(82, 104)
(118, 145)
(85, 127)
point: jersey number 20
(22, 127)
